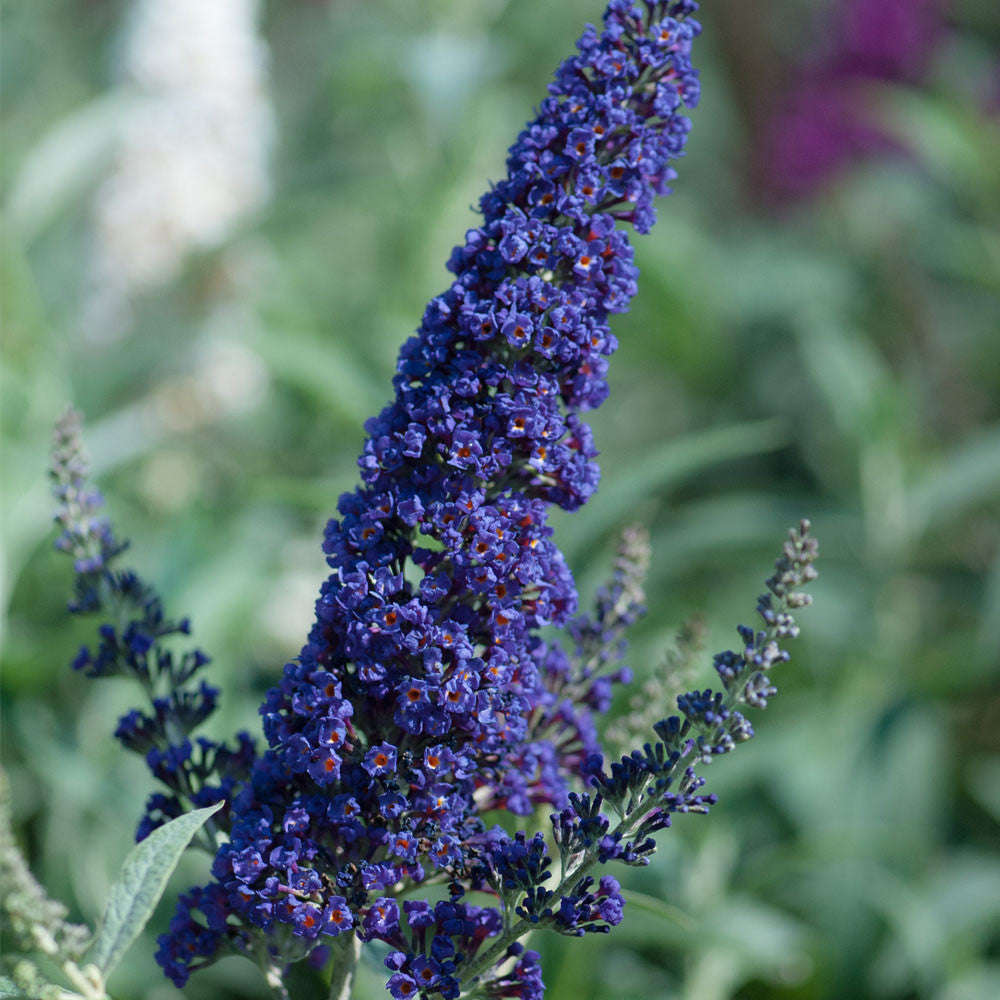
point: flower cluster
(425, 698)
(440, 938)
(135, 642)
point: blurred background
(221, 221)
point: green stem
(346, 951)
(272, 973)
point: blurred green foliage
(837, 357)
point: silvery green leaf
(667, 466)
(656, 907)
(64, 163)
(140, 885)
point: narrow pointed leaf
(140, 885)
(658, 908)
(661, 471)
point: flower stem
(275, 981)
(346, 951)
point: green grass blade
(665, 468)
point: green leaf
(140, 885)
(67, 160)
(967, 475)
(8, 988)
(658, 908)
(851, 373)
(663, 469)
(959, 145)
(329, 373)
